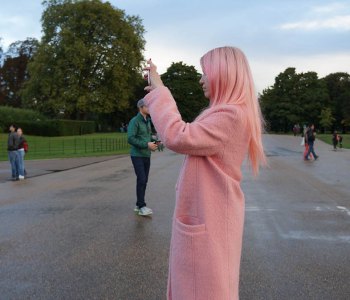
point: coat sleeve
(132, 136)
(203, 137)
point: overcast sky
(311, 35)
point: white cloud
(17, 28)
(330, 8)
(10, 21)
(334, 16)
(336, 22)
(163, 55)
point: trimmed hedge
(57, 127)
(34, 123)
(9, 115)
(71, 127)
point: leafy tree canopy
(88, 59)
(13, 71)
(338, 85)
(295, 98)
(326, 118)
(183, 82)
(1, 51)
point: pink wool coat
(207, 230)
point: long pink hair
(231, 82)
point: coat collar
(140, 116)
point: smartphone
(148, 78)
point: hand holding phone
(146, 75)
(153, 78)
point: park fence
(74, 146)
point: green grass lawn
(98, 144)
(328, 139)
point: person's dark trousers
(141, 166)
(311, 150)
(14, 161)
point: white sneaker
(145, 211)
(136, 209)
(21, 177)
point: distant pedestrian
(305, 142)
(335, 140)
(295, 130)
(22, 150)
(311, 136)
(340, 140)
(13, 155)
(140, 139)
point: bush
(34, 123)
(42, 128)
(71, 127)
(10, 115)
(57, 127)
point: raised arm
(205, 136)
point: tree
(338, 85)
(183, 82)
(2, 96)
(1, 52)
(13, 72)
(280, 103)
(326, 118)
(294, 98)
(88, 60)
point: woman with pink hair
(207, 230)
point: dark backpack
(310, 135)
(25, 146)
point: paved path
(297, 229)
(47, 166)
(73, 234)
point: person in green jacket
(140, 139)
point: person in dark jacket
(140, 139)
(22, 150)
(335, 139)
(311, 136)
(12, 148)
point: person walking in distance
(140, 139)
(22, 150)
(311, 136)
(208, 220)
(305, 142)
(12, 148)
(335, 140)
(340, 139)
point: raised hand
(153, 77)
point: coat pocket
(187, 261)
(189, 225)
